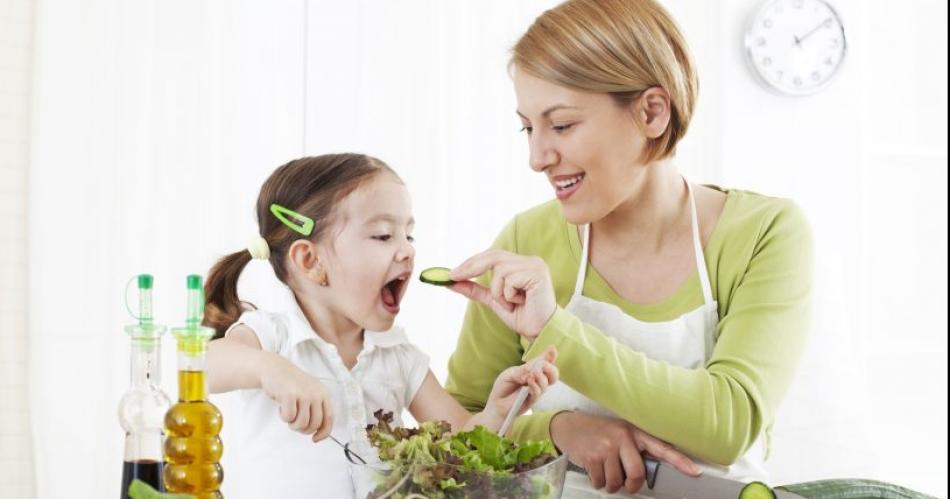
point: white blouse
(276, 461)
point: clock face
(795, 46)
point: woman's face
(371, 258)
(588, 147)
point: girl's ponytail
(222, 305)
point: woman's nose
(542, 155)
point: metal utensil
(536, 366)
(667, 482)
(347, 452)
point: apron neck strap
(697, 252)
(585, 255)
(698, 247)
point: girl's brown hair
(618, 47)
(311, 186)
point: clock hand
(799, 40)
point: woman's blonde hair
(619, 47)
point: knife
(666, 482)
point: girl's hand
(304, 403)
(521, 292)
(510, 381)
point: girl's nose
(406, 252)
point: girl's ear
(653, 111)
(305, 259)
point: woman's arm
(485, 348)
(717, 412)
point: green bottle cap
(145, 333)
(194, 281)
(193, 337)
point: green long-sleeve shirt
(759, 258)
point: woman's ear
(306, 261)
(653, 111)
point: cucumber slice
(756, 490)
(438, 276)
(141, 490)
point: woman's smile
(566, 185)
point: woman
(680, 311)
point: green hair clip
(301, 224)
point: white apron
(686, 341)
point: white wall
(16, 452)
(867, 160)
(154, 124)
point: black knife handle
(652, 467)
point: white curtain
(154, 124)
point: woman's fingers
(613, 474)
(596, 473)
(498, 291)
(477, 265)
(633, 468)
(665, 452)
(480, 294)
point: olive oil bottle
(192, 445)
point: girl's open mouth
(392, 293)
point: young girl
(337, 231)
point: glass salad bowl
(447, 481)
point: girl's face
(588, 147)
(371, 257)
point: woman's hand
(537, 375)
(305, 405)
(610, 450)
(521, 292)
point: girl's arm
(238, 362)
(432, 402)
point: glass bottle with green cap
(192, 426)
(144, 405)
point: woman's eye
(384, 237)
(410, 239)
(562, 128)
(526, 129)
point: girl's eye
(384, 238)
(526, 129)
(562, 128)
(410, 239)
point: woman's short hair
(619, 47)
